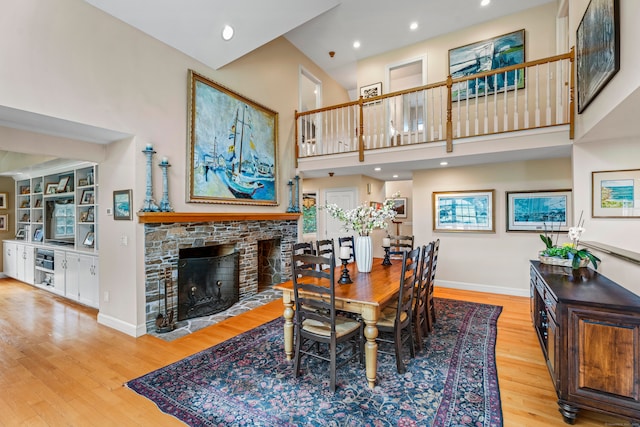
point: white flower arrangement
(364, 219)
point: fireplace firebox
(207, 280)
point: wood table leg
(371, 351)
(288, 325)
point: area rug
(247, 381)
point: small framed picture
(38, 235)
(82, 182)
(3, 200)
(90, 215)
(89, 239)
(51, 188)
(87, 197)
(400, 206)
(122, 205)
(371, 91)
(83, 216)
(4, 222)
(62, 185)
(615, 194)
(20, 234)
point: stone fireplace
(262, 243)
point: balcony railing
(531, 95)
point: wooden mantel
(168, 217)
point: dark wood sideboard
(589, 331)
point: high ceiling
(316, 27)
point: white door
(346, 199)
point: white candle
(345, 252)
(386, 242)
(165, 160)
(149, 146)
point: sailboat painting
(232, 146)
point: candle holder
(165, 206)
(386, 260)
(149, 205)
(344, 278)
(296, 204)
(291, 208)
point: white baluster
(537, 96)
(515, 100)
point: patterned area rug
(247, 381)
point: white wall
(69, 60)
(491, 262)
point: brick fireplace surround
(168, 232)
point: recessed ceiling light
(227, 32)
(377, 169)
(444, 163)
(413, 26)
(485, 2)
(356, 44)
(395, 176)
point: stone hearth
(163, 241)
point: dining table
(367, 295)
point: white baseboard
(124, 327)
(478, 287)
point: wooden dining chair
(325, 248)
(317, 321)
(400, 244)
(304, 248)
(348, 241)
(431, 307)
(421, 308)
(396, 319)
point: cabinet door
(10, 259)
(29, 264)
(59, 271)
(88, 280)
(71, 289)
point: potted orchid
(568, 253)
(363, 220)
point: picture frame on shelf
(539, 210)
(62, 185)
(51, 188)
(3, 200)
(20, 234)
(484, 56)
(597, 49)
(87, 197)
(90, 214)
(4, 222)
(464, 211)
(245, 169)
(89, 240)
(82, 182)
(122, 205)
(38, 235)
(400, 206)
(83, 216)
(615, 194)
(371, 91)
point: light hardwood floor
(60, 367)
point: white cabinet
(77, 274)
(10, 259)
(88, 280)
(19, 261)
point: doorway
(344, 198)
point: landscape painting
(232, 146)
(487, 55)
(616, 194)
(539, 211)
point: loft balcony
(520, 112)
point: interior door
(344, 198)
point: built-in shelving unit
(56, 244)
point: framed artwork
(51, 188)
(87, 197)
(62, 184)
(615, 194)
(122, 205)
(487, 55)
(371, 91)
(543, 210)
(400, 206)
(82, 182)
(471, 211)
(4, 222)
(597, 49)
(375, 205)
(20, 234)
(232, 146)
(89, 239)
(3, 200)
(38, 235)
